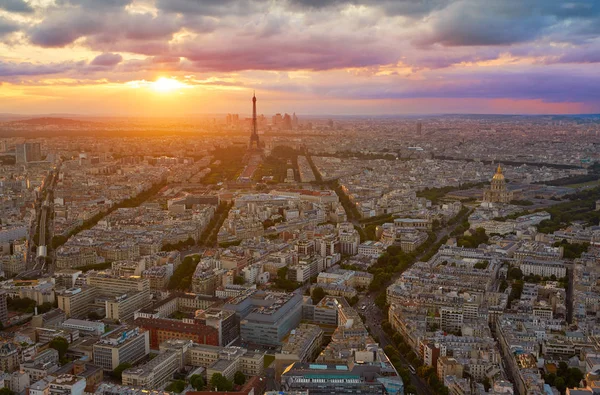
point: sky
(350, 57)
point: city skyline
(355, 57)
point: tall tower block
(254, 136)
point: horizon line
(366, 115)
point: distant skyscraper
(277, 119)
(419, 128)
(294, 121)
(254, 136)
(28, 152)
(232, 119)
(287, 122)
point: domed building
(497, 191)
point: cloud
(19, 6)
(103, 30)
(95, 4)
(213, 7)
(319, 4)
(63, 29)
(7, 27)
(10, 69)
(371, 49)
(407, 8)
(107, 60)
(495, 23)
(557, 85)
(312, 54)
(165, 59)
(480, 24)
(442, 58)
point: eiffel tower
(254, 136)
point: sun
(165, 85)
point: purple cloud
(107, 60)
(8, 69)
(63, 29)
(313, 53)
(559, 85)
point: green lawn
(584, 184)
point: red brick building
(253, 386)
(161, 329)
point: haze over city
(182, 57)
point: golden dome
(498, 175)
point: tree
(182, 277)
(197, 381)
(45, 307)
(390, 351)
(239, 378)
(60, 344)
(550, 378)
(514, 273)
(574, 376)
(94, 316)
(503, 285)
(176, 386)
(219, 382)
(563, 367)
(239, 280)
(318, 293)
(486, 384)
(118, 372)
(560, 384)
(6, 391)
(23, 305)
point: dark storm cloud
(107, 60)
(19, 6)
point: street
(374, 318)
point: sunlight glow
(165, 85)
